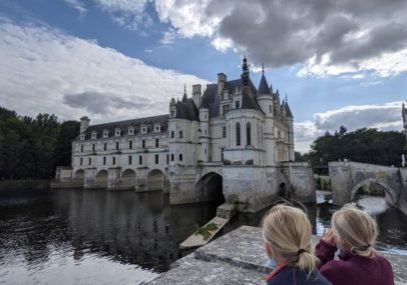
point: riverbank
(238, 258)
(26, 185)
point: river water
(98, 237)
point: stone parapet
(239, 258)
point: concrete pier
(239, 258)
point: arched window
(248, 134)
(238, 133)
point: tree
(362, 145)
(31, 148)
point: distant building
(231, 139)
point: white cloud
(384, 117)
(77, 5)
(45, 70)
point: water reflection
(98, 237)
(90, 233)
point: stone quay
(239, 258)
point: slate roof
(263, 86)
(123, 126)
(186, 109)
(211, 100)
(288, 110)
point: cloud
(383, 117)
(45, 70)
(105, 103)
(77, 5)
(321, 37)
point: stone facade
(348, 177)
(231, 139)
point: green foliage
(33, 147)
(362, 145)
(206, 231)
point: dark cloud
(104, 103)
(287, 32)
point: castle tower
(267, 104)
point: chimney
(84, 124)
(196, 94)
(221, 82)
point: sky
(338, 62)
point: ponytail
(307, 262)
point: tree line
(33, 147)
(363, 145)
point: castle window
(143, 143)
(117, 132)
(237, 133)
(105, 146)
(223, 132)
(157, 142)
(94, 135)
(157, 128)
(172, 114)
(104, 160)
(117, 145)
(89, 161)
(143, 129)
(172, 134)
(93, 147)
(130, 131)
(172, 157)
(130, 144)
(81, 161)
(248, 134)
(221, 153)
(237, 104)
(181, 134)
(114, 160)
(82, 137)
(180, 157)
(130, 159)
(271, 109)
(168, 158)
(105, 133)
(140, 159)
(81, 147)
(157, 159)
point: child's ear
(269, 251)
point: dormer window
(130, 131)
(143, 129)
(82, 137)
(157, 128)
(105, 133)
(94, 135)
(117, 132)
(173, 113)
(237, 104)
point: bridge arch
(101, 179)
(391, 194)
(128, 179)
(156, 180)
(79, 174)
(210, 186)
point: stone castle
(230, 140)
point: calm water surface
(98, 237)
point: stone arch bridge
(348, 177)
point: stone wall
(239, 258)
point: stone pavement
(238, 258)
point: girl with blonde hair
(287, 239)
(354, 233)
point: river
(98, 237)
